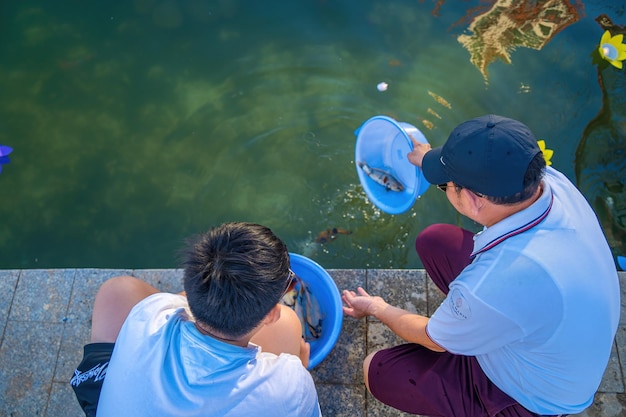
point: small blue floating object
(4, 155)
(325, 291)
(621, 261)
(383, 143)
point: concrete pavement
(45, 321)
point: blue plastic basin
(328, 297)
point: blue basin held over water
(384, 143)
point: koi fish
(329, 234)
(440, 100)
(301, 300)
(434, 113)
(382, 177)
(427, 123)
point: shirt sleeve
(465, 325)
(151, 313)
(310, 400)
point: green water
(138, 123)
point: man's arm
(409, 326)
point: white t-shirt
(162, 366)
(539, 305)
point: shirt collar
(191, 332)
(515, 224)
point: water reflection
(135, 124)
(601, 153)
(508, 25)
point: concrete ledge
(45, 321)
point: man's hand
(409, 326)
(419, 150)
(361, 304)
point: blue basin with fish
(383, 143)
(325, 291)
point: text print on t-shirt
(459, 305)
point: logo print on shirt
(458, 305)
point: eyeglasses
(290, 281)
(444, 188)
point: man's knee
(431, 237)
(442, 237)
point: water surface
(138, 123)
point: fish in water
(329, 234)
(440, 100)
(382, 177)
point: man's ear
(273, 315)
(475, 202)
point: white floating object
(382, 86)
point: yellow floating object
(612, 49)
(547, 153)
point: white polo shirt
(539, 305)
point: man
(532, 302)
(224, 347)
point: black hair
(234, 274)
(532, 180)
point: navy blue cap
(489, 154)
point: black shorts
(89, 375)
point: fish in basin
(382, 177)
(300, 299)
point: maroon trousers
(418, 380)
